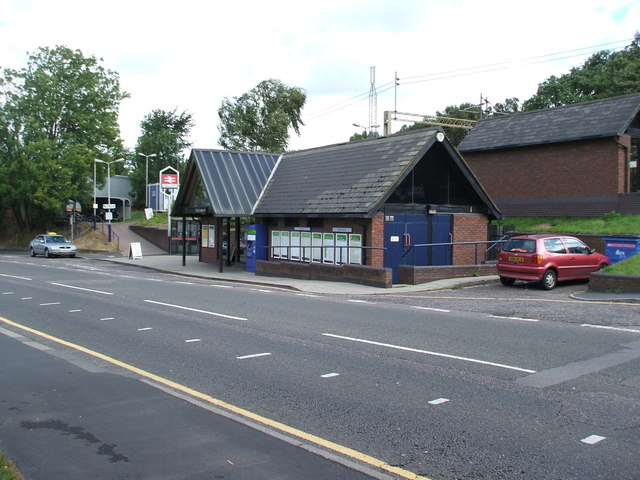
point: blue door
(403, 232)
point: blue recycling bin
(621, 248)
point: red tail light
(537, 258)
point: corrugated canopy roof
(609, 117)
(224, 183)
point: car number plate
(516, 259)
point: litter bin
(621, 248)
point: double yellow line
(307, 437)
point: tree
(54, 112)
(364, 135)
(605, 74)
(260, 119)
(164, 134)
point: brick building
(351, 211)
(579, 160)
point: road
(472, 383)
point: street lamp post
(109, 182)
(95, 205)
(367, 130)
(146, 181)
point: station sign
(169, 178)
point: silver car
(52, 245)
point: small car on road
(547, 259)
(52, 245)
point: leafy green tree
(54, 112)
(605, 74)
(259, 120)
(364, 135)
(164, 139)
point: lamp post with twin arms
(146, 181)
(109, 183)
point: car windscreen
(56, 240)
(520, 245)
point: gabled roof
(609, 117)
(233, 181)
(351, 179)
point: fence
(487, 254)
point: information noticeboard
(295, 245)
(342, 252)
(135, 250)
(275, 243)
(305, 243)
(316, 247)
(355, 254)
(205, 235)
(284, 242)
(212, 236)
(328, 243)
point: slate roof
(609, 117)
(233, 181)
(349, 179)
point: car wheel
(549, 279)
(46, 253)
(32, 252)
(507, 282)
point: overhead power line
(430, 77)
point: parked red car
(547, 259)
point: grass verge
(630, 266)
(611, 223)
(8, 470)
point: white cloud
(189, 55)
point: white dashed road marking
(254, 355)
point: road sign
(169, 178)
(108, 206)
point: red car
(547, 259)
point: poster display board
(284, 242)
(212, 236)
(295, 246)
(205, 235)
(342, 253)
(305, 243)
(316, 247)
(355, 254)
(328, 243)
(135, 250)
(275, 244)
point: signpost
(169, 180)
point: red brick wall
(571, 169)
(469, 228)
(375, 238)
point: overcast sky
(191, 54)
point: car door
(581, 262)
(38, 245)
(557, 256)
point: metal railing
(493, 244)
(337, 259)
